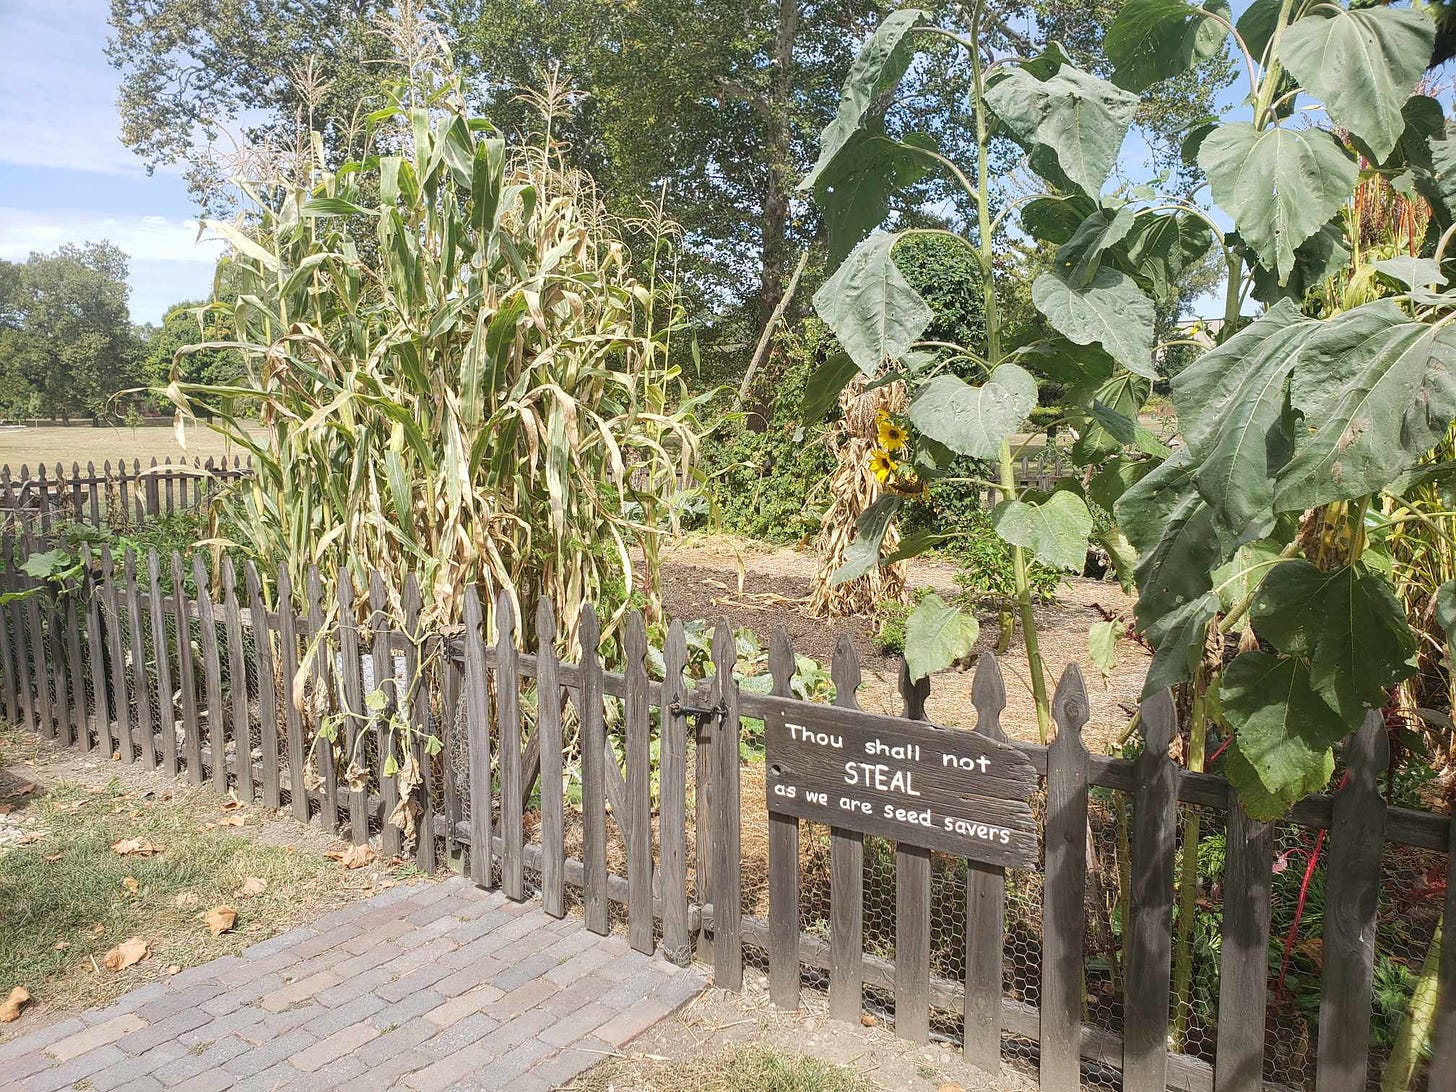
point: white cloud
(168, 263)
(144, 238)
(57, 91)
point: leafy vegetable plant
(1300, 432)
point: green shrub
(764, 468)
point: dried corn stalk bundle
(853, 488)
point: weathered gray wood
(154, 502)
(985, 902)
(418, 709)
(351, 692)
(783, 861)
(1150, 933)
(166, 705)
(1352, 897)
(637, 716)
(116, 648)
(706, 730)
(268, 750)
(982, 785)
(211, 674)
(913, 694)
(321, 671)
(676, 943)
(94, 495)
(1441, 1076)
(35, 639)
(56, 652)
(167, 471)
(477, 733)
(508, 732)
(238, 697)
(384, 683)
(141, 682)
(1243, 978)
(186, 675)
(727, 816)
(292, 715)
(912, 942)
(24, 682)
(548, 735)
(846, 872)
(8, 653)
(593, 774)
(451, 675)
(1064, 891)
(76, 672)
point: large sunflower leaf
(1346, 623)
(1072, 123)
(1153, 40)
(1377, 389)
(1283, 726)
(1280, 185)
(1362, 63)
(1055, 531)
(871, 307)
(1318, 258)
(1232, 403)
(975, 421)
(1079, 257)
(1257, 800)
(853, 191)
(1160, 247)
(1170, 523)
(936, 635)
(1110, 311)
(881, 63)
(863, 553)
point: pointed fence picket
(157, 666)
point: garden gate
(626, 792)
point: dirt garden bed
(759, 587)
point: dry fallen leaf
(172, 968)
(6, 809)
(97, 929)
(232, 821)
(232, 803)
(185, 900)
(30, 837)
(130, 883)
(10, 1007)
(24, 790)
(125, 954)
(352, 857)
(61, 944)
(52, 858)
(868, 1021)
(135, 847)
(220, 919)
(252, 886)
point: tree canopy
(66, 340)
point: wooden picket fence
(123, 494)
(191, 670)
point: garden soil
(760, 587)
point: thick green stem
(1188, 872)
(1026, 609)
(1415, 1026)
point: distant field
(33, 446)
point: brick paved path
(422, 987)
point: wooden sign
(944, 789)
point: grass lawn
(83, 444)
(751, 1068)
(67, 896)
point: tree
(190, 323)
(708, 107)
(66, 341)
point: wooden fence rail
(35, 501)
(463, 745)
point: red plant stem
(1217, 754)
(1309, 868)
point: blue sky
(65, 176)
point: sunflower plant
(1303, 430)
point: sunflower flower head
(892, 437)
(882, 465)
